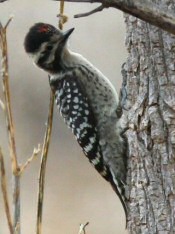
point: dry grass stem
(42, 172)
(10, 127)
(6, 90)
(5, 193)
(35, 153)
(8, 22)
(61, 15)
(47, 137)
(82, 229)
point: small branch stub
(98, 9)
(35, 153)
(82, 229)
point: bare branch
(35, 153)
(82, 229)
(42, 173)
(147, 11)
(5, 193)
(100, 8)
(8, 22)
(6, 89)
(61, 17)
(10, 128)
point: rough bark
(149, 97)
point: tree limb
(142, 9)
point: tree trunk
(148, 95)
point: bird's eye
(49, 47)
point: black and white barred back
(74, 107)
(76, 111)
(87, 101)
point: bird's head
(45, 43)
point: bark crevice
(149, 76)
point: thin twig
(148, 11)
(5, 193)
(35, 153)
(98, 9)
(10, 128)
(61, 16)
(82, 229)
(6, 89)
(8, 22)
(47, 138)
(42, 172)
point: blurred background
(74, 192)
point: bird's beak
(66, 34)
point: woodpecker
(86, 100)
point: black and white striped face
(44, 43)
